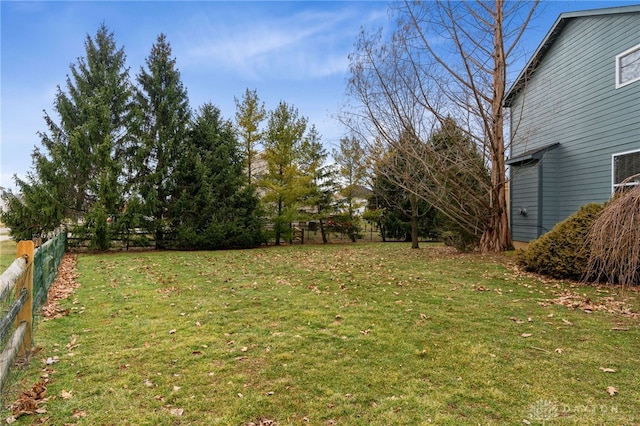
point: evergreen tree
(284, 184)
(78, 174)
(352, 168)
(250, 112)
(323, 181)
(406, 216)
(459, 159)
(214, 207)
(160, 129)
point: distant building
(575, 118)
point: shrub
(563, 251)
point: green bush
(562, 252)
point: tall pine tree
(77, 175)
(214, 206)
(160, 130)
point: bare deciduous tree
(445, 60)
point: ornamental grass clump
(614, 242)
(563, 251)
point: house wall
(526, 179)
(572, 99)
(550, 200)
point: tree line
(426, 135)
(130, 161)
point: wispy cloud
(308, 44)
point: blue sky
(291, 51)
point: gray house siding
(549, 189)
(525, 226)
(571, 99)
(534, 204)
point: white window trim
(615, 185)
(626, 52)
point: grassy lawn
(365, 334)
(7, 254)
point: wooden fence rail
(19, 276)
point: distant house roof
(551, 36)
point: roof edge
(551, 36)
(531, 156)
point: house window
(624, 165)
(628, 66)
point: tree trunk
(496, 236)
(159, 239)
(382, 235)
(323, 232)
(278, 224)
(414, 221)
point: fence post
(26, 248)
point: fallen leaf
(62, 287)
(559, 350)
(611, 390)
(172, 331)
(525, 335)
(66, 395)
(72, 344)
(51, 360)
(198, 324)
(176, 388)
(608, 370)
(79, 414)
(148, 383)
(244, 349)
(176, 411)
(567, 322)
